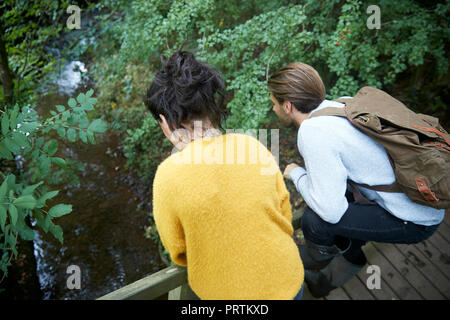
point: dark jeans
(299, 295)
(362, 223)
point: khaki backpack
(417, 145)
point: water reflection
(70, 77)
(104, 234)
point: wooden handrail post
(152, 286)
(183, 292)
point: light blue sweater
(335, 151)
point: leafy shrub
(248, 41)
(27, 140)
(145, 147)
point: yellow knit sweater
(222, 209)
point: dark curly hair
(186, 89)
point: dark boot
(316, 257)
(336, 274)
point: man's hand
(288, 169)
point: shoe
(316, 257)
(336, 274)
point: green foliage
(26, 28)
(248, 40)
(145, 147)
(28, 140)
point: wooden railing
(171, 280)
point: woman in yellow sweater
(220, 204)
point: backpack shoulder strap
(330, 111)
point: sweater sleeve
(167, 222)
(324, 182)
(283, 195)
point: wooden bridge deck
(408, 272)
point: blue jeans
(299, 295)
(362, 223)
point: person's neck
(202, 129)
(299, 117)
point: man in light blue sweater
(334, 152)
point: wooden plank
(444, 231)
(441, 244)
(337, 294)
(440, 260)
(402, 288)
(409, 271)
(384, 293)
(357, 290)
(447, 219)
(152, 286)
(424, 265)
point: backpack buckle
(425, 190)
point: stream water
(104, 234)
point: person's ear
(287, 107)
(165, 127)
(179, 137)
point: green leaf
(39, 218)
(27, 234)
(60, 108)
(3, 189)
(11, 178)
(59, 162)
(13, 214)
(20, 139)
(89, 93)
(71, 135)
(81, 98)
(65, 115)
(39, 142)
(27, 202)
(51, 147)
(11, 239)
(97, 125)
(34, 154)
(92, 101)
(57, 232)
(87, 105)
(28, 126)
(12, 145)
(84, 123)
(72, 103)
(46, 224)
(90, 136)
(4, 151)
(61, 131)
(5, 124)
(44, 163)
(83, 136)
(45, 197)
(60, 210)
(2, 217)
(30, 189)
(13, 118)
